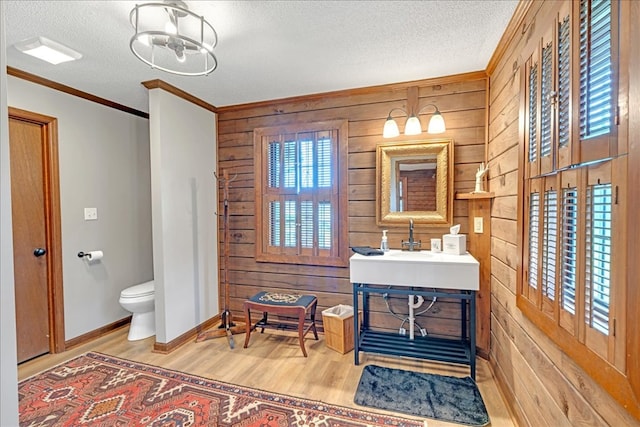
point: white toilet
(140, 300)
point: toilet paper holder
(91, 255)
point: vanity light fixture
(171, 38)
(413, 125)
(48, 50)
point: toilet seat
(138, 291)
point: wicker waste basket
(338, 328)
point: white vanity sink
(423, 269)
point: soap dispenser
(384, 243)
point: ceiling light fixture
(413, 125)
(48, 50)
(171, 38)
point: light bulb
(390, 128)
(180, 55)
(436, 124)
(413, 126)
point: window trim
(341, 255)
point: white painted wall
(104, 163)
(8, 355)
(184, 202)
(104, 159)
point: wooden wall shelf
(466, 196)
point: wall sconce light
(413, 125)
(171, 38)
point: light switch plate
(477, 225)
(90, 214)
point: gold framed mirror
(414, 180)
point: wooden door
(35, 235)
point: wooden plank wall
(421, 190)
(543, 385)
(462, 101)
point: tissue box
(455, 244)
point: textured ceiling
(267, 49)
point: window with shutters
(554, 113)
(567, 278)
(570, 283)
(301, 193)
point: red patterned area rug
(99, 390)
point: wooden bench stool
(288, 305)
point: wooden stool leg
(301, 316)
(247, 322)
(264, 321)
(313, 319)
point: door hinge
(615, 202)
(614, 327)
(616, 117)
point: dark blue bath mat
(434, 396)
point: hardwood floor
(274, 362)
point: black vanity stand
(461, 351)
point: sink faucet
(411, 244)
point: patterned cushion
(282, 299)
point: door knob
(39, 252)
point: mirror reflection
(413, 184)
(414, 180)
